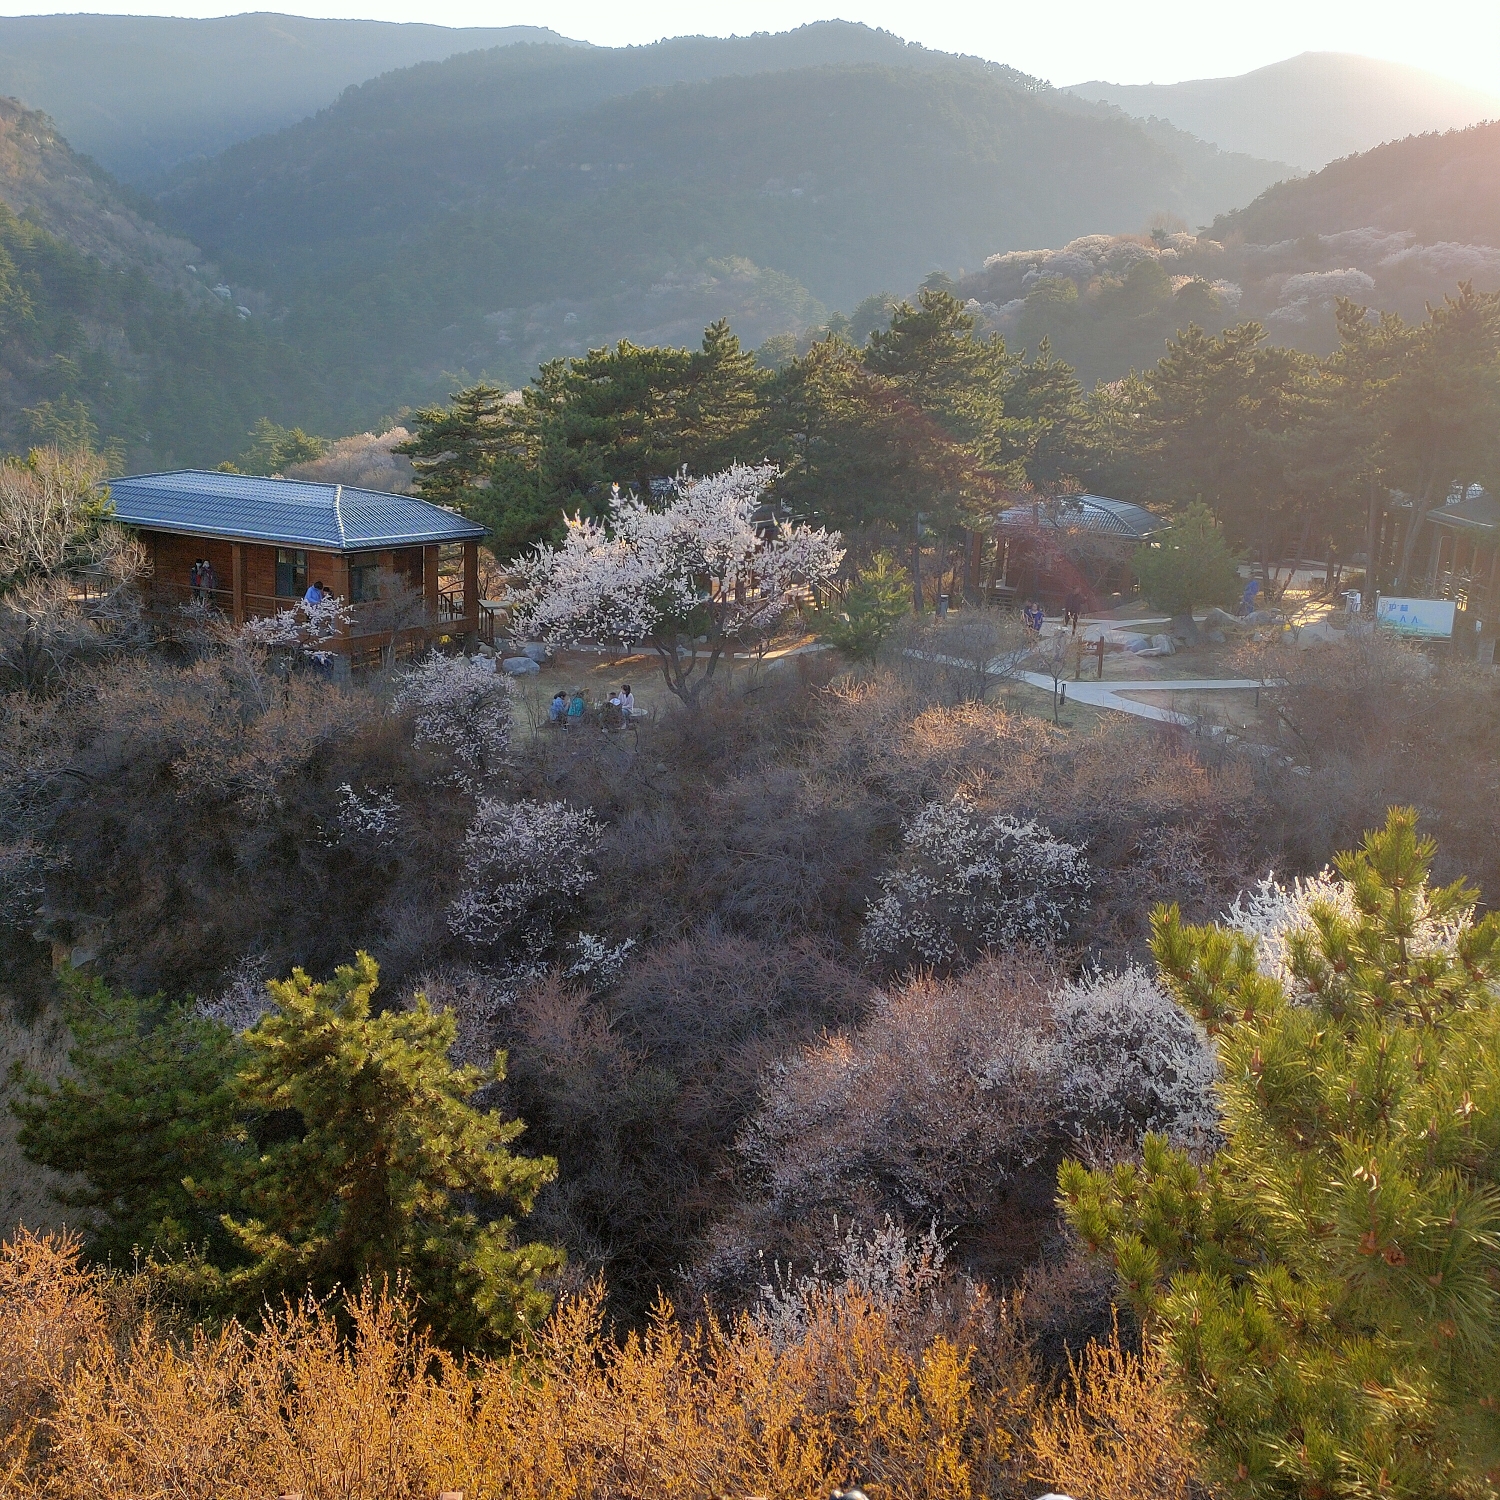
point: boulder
(521, 666)
(536, 651)
(1164, 644)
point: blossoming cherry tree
(700, 568)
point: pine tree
(455, 447)
(1328, 1286)
(1187, 565)
(381, 1165)
(146, 1103)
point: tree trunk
(1372, 566)
(918, 604)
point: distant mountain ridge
(1310, 109)
(141, 93)
(1444, 188)
(508, 206)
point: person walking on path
(1072, 608)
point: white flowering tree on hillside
(461, 705)
(967, 881)
(700, 568)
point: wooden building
(1463, 560)
(409, 568)
(1073, 544)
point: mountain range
(505, 206)
(476, 214)
(1310, 109)
(141, 93)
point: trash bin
(942, 610)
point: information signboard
(1430, 618)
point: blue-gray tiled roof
(291, 512)
(1088, 513)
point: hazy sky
(1066, 43)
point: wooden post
(237, 581)
(471, 595)
(430, 581)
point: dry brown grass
(101, 1402)
(1117, 1432)
(914, 1399)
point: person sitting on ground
(559, 710)
(315, 594)
(576, 708)
(627, 702)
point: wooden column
(430, 580)
(237, 580)
(471, 595)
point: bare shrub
(366, 461)
(962, 658)
(640, 1092)
(950, 1106)
(925, 1111)
(1119, 1431)
(1374, 722)
(220, 789)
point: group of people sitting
(569, 710)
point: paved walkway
(1107, 694)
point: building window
(291, 573)
(364, 579)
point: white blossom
(700, 566)
(244, 998)
(597, 961)
(966, 881)
(371, 817)
(461, 705)
(1127, 1057)
(1271, 913)
(524, 862)
(304, 626)
(892, 1270)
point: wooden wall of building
(253, 593)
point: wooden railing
(221, 601)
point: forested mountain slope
(141, 93)
(110, 328)
(500, 208)
(1310, 109)
(1445, 188)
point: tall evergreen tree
(1328, 1285)
(456, 447)
(382, 1165)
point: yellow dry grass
(102, 1400)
